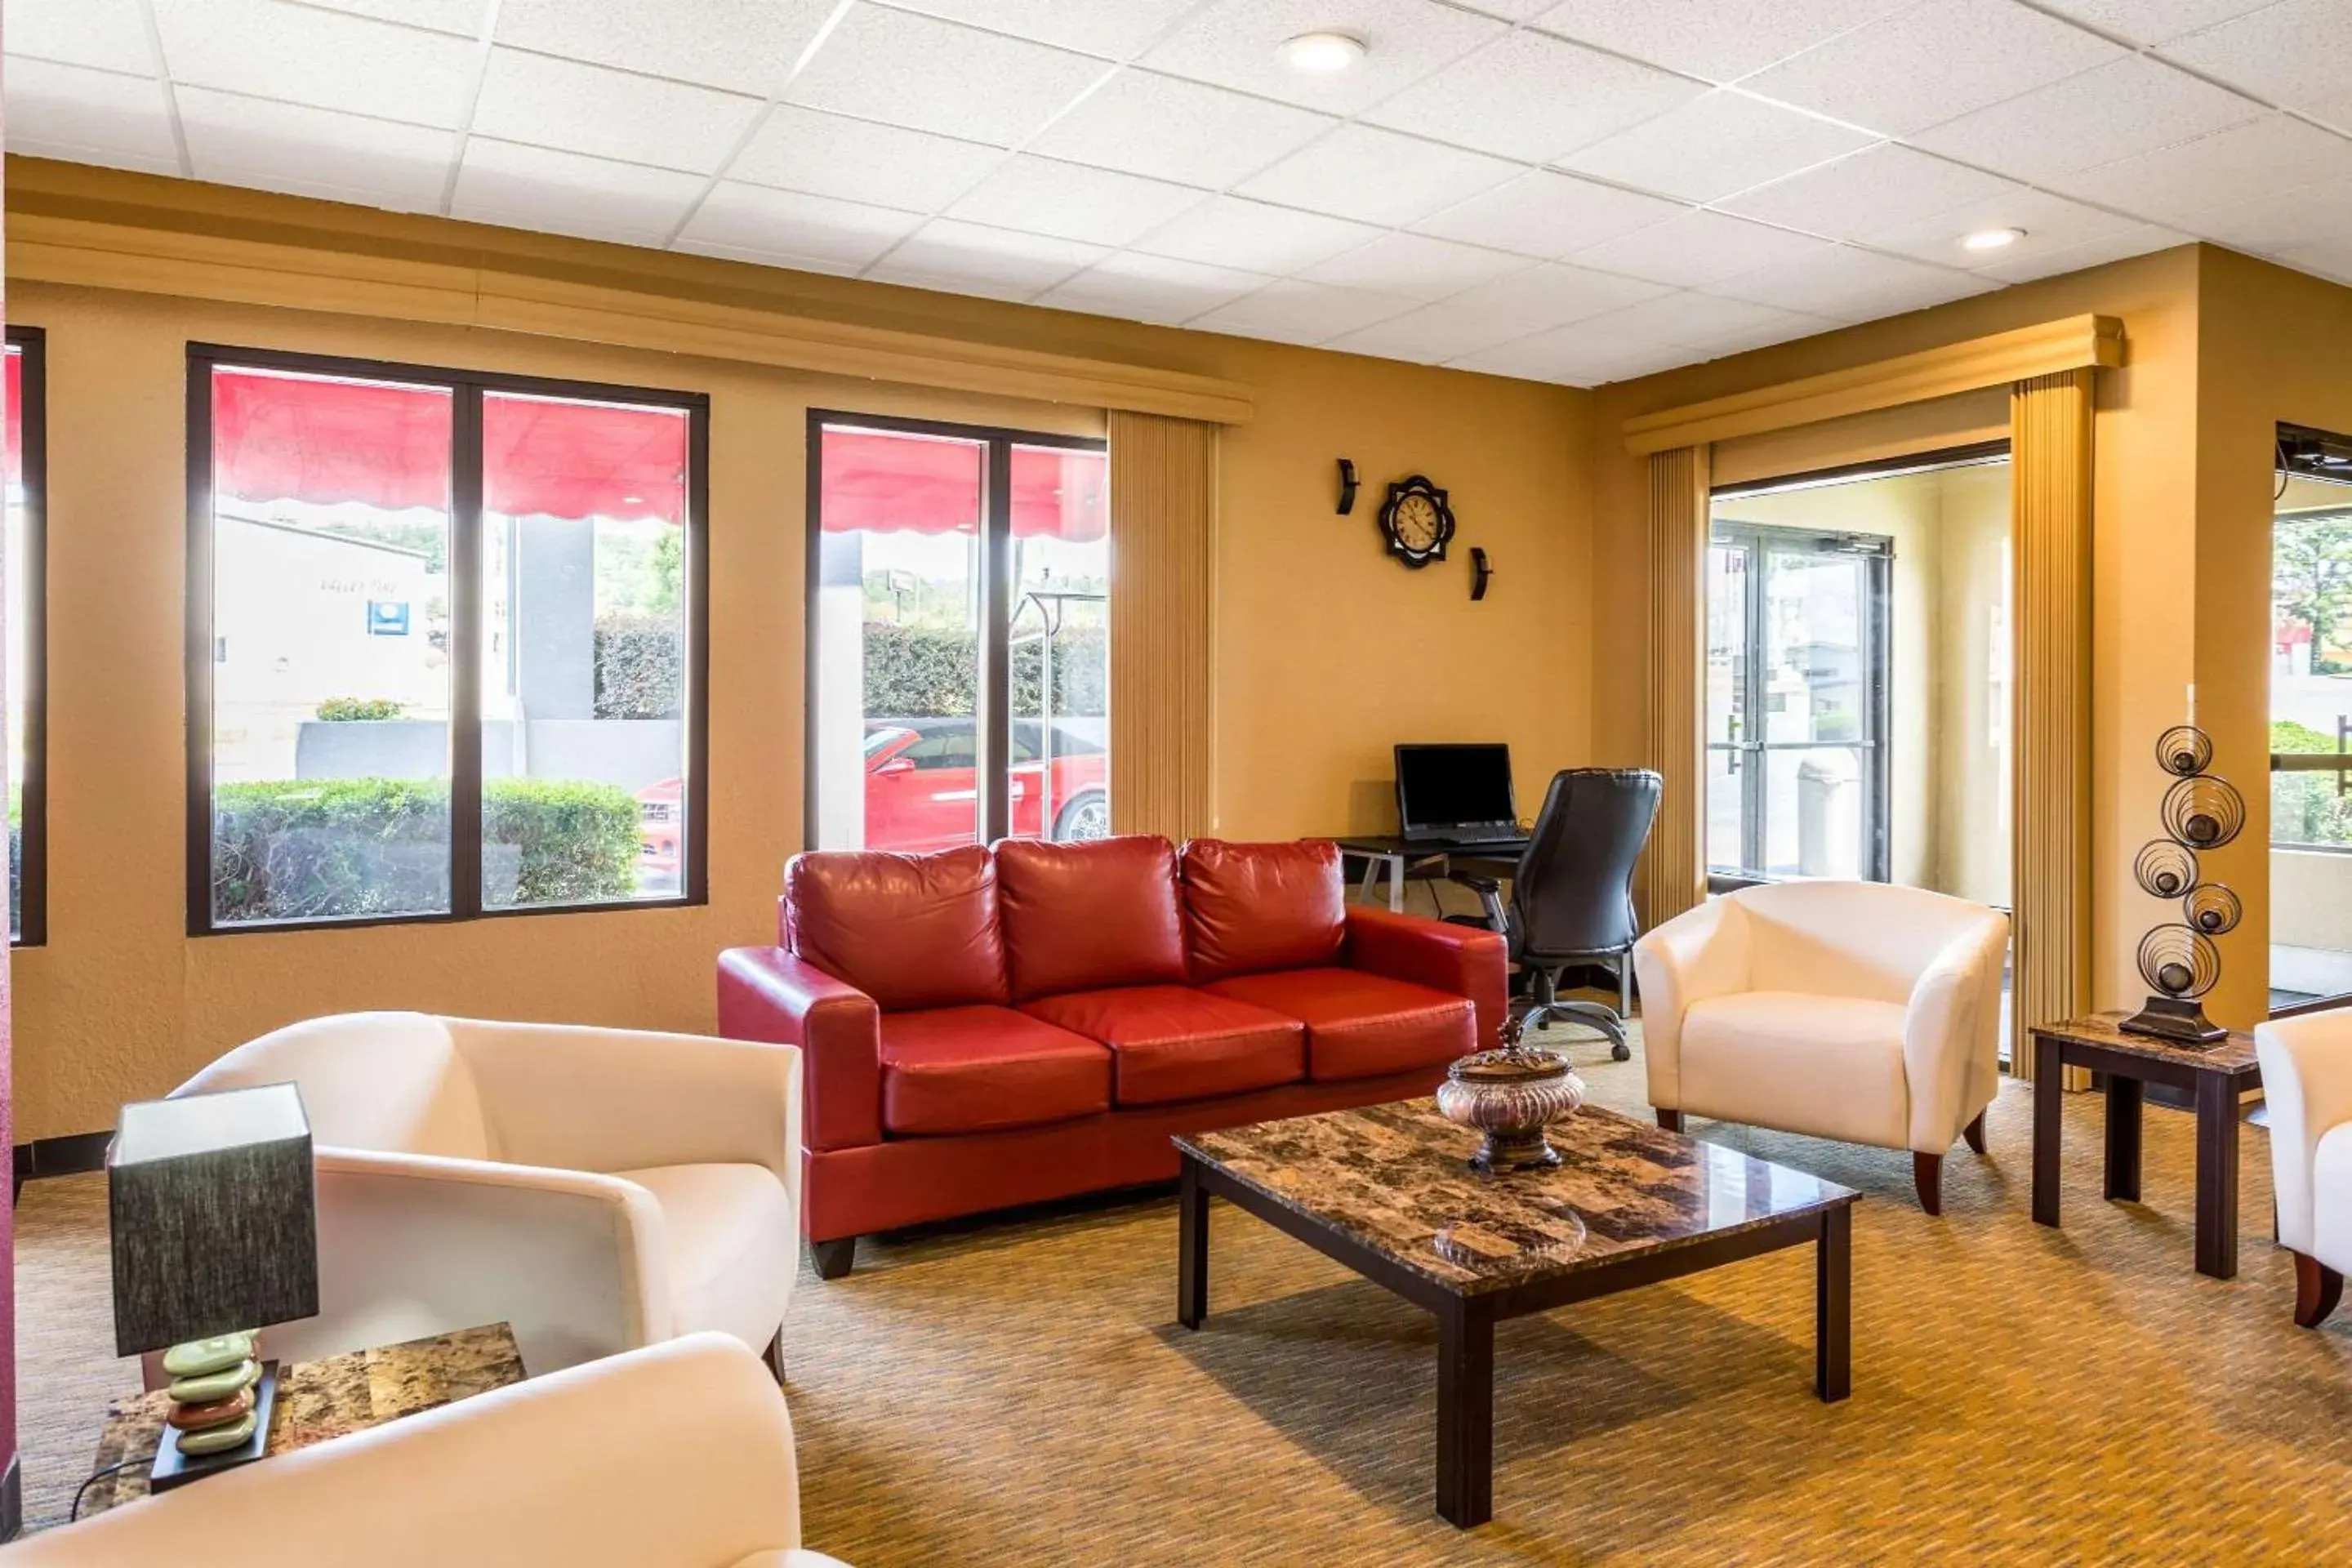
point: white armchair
(1857, 1011)
(680, 1455)
(2307, 1084)
(596, 1189)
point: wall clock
(1417, 521)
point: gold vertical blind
(1163, 476)
(2050, 479)
(1670, 877)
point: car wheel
(1086, 817)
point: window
(27, 652)
(2311, 719)
(446, 651)
(959, 635)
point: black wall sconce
(1346, 485)
(1479, 572)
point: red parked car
(922, 788)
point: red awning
(15, 470)
(287, 438)
(897, 483)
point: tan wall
(1327, 654)
(1972, 716)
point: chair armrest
(1698, 954)
(1490, 899)
(766, 994)
(2307, 1084)
(1459, 959)
(676, 1456)
(617, 1100)
(1951, 1035)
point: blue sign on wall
(387, 618)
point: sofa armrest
(1698, 954)
(2307, 1086)
(1462, 960)
(1951, 1035)
(766, 994)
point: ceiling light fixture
(1992, 238)
(1323, 53)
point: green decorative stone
(215, 1384)
(218, 1439)
(199, 1357)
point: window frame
(33, 835)
(992, 752)
(466, 389)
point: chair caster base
(834, 1258)
(1621, 1052)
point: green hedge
(928, 672)
(359, 709)
(346, 848)
(640, 666)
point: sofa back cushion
(909, 931)
(1080, 917)
(1250, 907)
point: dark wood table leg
(2123, 1138)
(1834, 1306)
(2049, 1096)
(1191, 1246)
(1465, 1416)
(2216, 1175)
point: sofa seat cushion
(1829, 1067)
(981, 1069)
(733, 1243)
(2331, 1198)
(1362, 1026)
(1172, 1042)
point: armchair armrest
(2307, 1084)
(1951, 1034)
(1459, 959)
(1698, 954)
(766, 994)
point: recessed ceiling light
(1323, 53)
(1992, 238)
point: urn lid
(1510, 1065)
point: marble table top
(1397, 1179)
(319, 1400)
(2234, 1054)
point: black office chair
(1573, 896)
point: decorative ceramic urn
(1510, 1095)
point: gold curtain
(1163, 476)
(2050, 480)
(1672, 874)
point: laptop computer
(1456, 794)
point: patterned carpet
(1016, 1392)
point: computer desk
(1399, 854)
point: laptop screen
(1441, 788)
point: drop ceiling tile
(1713, 146)
(2133, 242)
(2296, 54)
(1432, 335)
(90, 117)
(2132, 105)
(2173, 185)
(1113, 31)
(2278, 220)
(1546, 215)
(1720, 43)
(106, 34)
(2051, 223)
(314, 152)
(788, 229)
(1553, 295)
(1377, 176)
(1180, 130)
(2331, 259)
(264, 48)
(2152, 21)
(743, 45)
(1850, 285)
(1290, 311)
(1575, 356)
(1691, 318)
(462, 18)
(1935, 61)
(1228, 231)
(928, 75)
(1152, 289)
(1533, 96)
(567, 192)
(1870, 192)
(854, 160)
(971, 259)
(1238, 44)
(605, 113)
(1070, 201)
(1510, 10)
(1698, 248)
(1790, 326)
(1416, 266)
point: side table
(319, 1400)
(2217, 1074)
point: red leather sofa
(981, 1028)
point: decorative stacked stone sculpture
(212, 1393)
(1510, 1096)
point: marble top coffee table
(1387, 1190)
